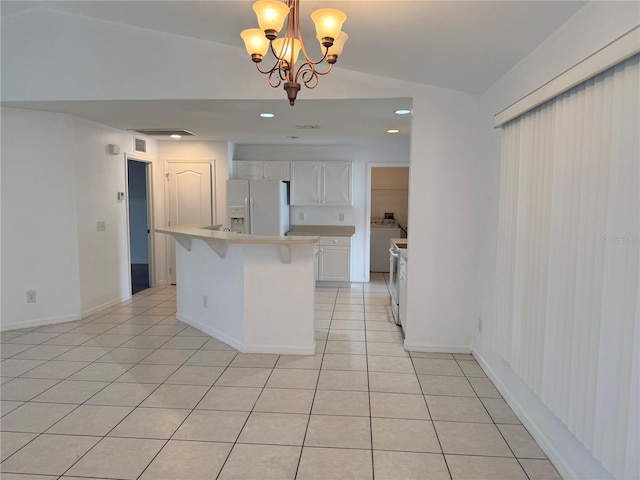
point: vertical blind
(568, 260)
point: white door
(190, 194)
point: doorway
(138, 182)
(387, 211)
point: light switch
(101, 225)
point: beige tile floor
(133, 393)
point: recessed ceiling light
(267, 115)
(393, 130)
(402, 112)
(175, 135)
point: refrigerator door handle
(251, 216)
(247, 216)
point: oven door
(393, 282)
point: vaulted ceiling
(461, 45)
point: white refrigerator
(258, 207)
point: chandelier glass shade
(286, 49)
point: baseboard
(423, 347)
(245, 348)
(111, 303)
(40, 322)
(331, 284)
(279, 349)
(209, 330)
(543, 440)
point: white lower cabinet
(334, 259)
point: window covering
(568, 309)
(612, 54)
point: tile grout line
(313, 400)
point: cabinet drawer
(335, 241)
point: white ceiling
(462, 45)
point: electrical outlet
(301, 216)
(31, 296)
(480, 324)
(205, 301)
(341, 217)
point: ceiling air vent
(165, 132)
(307, 127)
(141, 145)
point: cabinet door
(336, 184)
(276, 171)
(334, 264)
(248, 170)
(305, 183)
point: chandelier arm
(302, 47)
(278, 78)
(307, 69)
(307, 73)
(275, 67)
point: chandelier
(271, 15)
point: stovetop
(386, 222)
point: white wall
(104, 256)
(594, 26)
(58, 181)
(39, 224)
(356, 214)
(441, 298)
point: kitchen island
(252, 292)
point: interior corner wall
(58, 181)
(441, 304)
(39, 224)
(591, 28)
(104, 255)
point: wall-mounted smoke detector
(165, 132)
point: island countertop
(207, 232)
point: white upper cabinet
(336, 183)
(320, 183)
(276, 170)
(254, 170)
(305, 183)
